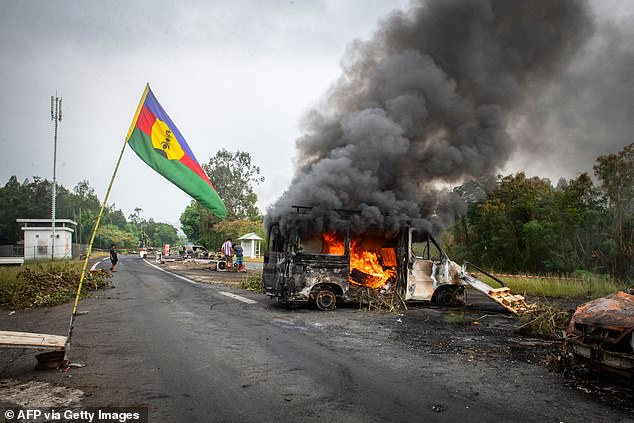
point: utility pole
(56, 117)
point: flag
(158, 142)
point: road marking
(226, 294)
(94, 266)
(239, 298)
(170, 273)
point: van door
(423, 256)
(274, 254)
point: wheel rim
(449, 296)
(325, 300)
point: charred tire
(448, 295)
(325, 300)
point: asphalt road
(193, 354)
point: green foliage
(586, 286)
(527, 225)
(252, 282)
(545, 321)
(201, 227)
(191, 222)
(23, 200)
(45, 284)
(111, 234)
(33, 200)
(164, 234)
(457, 319)
(234, 177)
(114, 217)
(616, 176)
(236, 228)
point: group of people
(228, 249)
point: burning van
(302, 265)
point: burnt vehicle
(326, 267)
(602, 331)
(194, 251)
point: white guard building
(251, 244)
(38, 240)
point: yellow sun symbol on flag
(164, 141)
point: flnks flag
(158, 142)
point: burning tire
(325, 299)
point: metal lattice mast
(56, 117)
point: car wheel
(325, 300)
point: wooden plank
(499, 291)
(31, 340)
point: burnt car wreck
(302, 265)
(602, 331)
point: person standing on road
(227, 250)
(239, 258)
(113, 257)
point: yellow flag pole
(94, 231)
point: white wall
(37, 243)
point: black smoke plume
(426, 103)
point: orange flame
(361, 259)
(332, 244)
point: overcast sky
(231, 74)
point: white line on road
(94, 266)
(237, 297)
(226, 294)
(170, 273)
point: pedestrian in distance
(239, 258)
(227, 250)
(113, 257)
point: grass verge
(587, 286)
(252, 282)
(457, 319)
(44, 284)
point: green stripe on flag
(177, 173)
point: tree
(616, 176)
(201, 227)
(234, 176)
(83, 205)
(190, 222)
(165, 234)
(32, 199)
(111, 234)
(114, 216)
(15, 200)
(135, 218)
(528, 225)
(236, 228)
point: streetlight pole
(56, 117)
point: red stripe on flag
(146, 120)
(195, 167)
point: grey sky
(239, 75)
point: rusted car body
(602, 331)
(329, 267)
